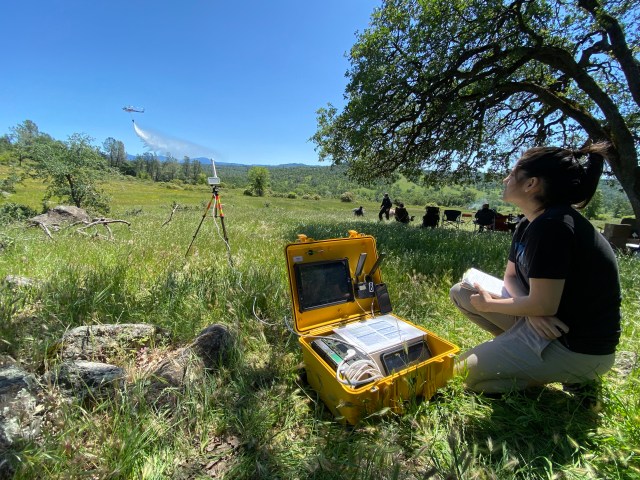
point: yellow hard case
(349, 403)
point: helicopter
(131, 108)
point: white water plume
(165, 145)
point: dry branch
(99, 221)
(175, 207)
(44, 227)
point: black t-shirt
(562, 244)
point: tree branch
(175, 207)
(44, 227)
(630, 66)
(99, 221)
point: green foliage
(13, 212)
(259, 180)
(25, 139)
(5, 146)
(441, 89)
(8, 184)
(115, 153)
(72, 170)
(592, 210)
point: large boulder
(60, 215)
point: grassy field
(276, 425)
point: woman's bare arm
(542, 300)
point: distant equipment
(215, 180)
(131, 109)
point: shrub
(248, 192)
(14, 212)
(292, 195)
(172, 185)
(346, 197)
(9, 184)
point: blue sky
(242, 79)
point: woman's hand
(548, 327)
(481, 300)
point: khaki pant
(518, 357)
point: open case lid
(323, 275)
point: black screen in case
(324, 283)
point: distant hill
(329, 181)
(207, 161)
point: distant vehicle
(131, 108)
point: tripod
(217, 212)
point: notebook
(491, 284)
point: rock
(176, 369)
(625, 363)
(18, 281)
(17, 417)
(18, 406)
(169, 376)
(13, 379)
(99, 342)
(186, 366)
(87, 379)
(6, 361)
(213, 346)
(61, 214)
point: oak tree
(72, 171)
(258, 180)
(451, 87)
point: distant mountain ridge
(207, 161)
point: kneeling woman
(562, 320)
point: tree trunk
(623, 161)
(631, 186)
(74, 194)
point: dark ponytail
(593, 167)
(568, 176)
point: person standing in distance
(561, 322)
(385, 206)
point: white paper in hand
(491, 284)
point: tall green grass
(258, 406)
